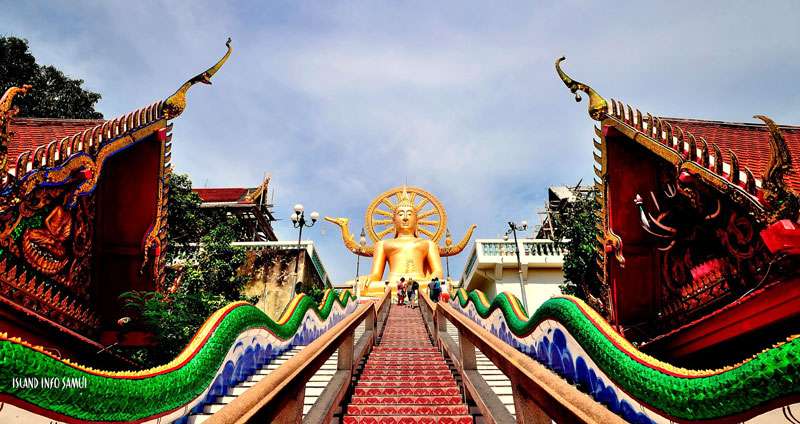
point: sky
(340, 101)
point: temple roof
(750, 142)
(753, 160)
(224, 195)
(30, 133)
(719, 148)
(250, 205)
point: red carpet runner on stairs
(406, 379)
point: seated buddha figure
(407, 254)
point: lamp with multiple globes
(299, 221)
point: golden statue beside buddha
(405, 215)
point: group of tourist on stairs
(409, 290)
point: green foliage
(188, 223)
(217, 263)
(174, 320)
(314, 292)
(54, 95)
(207, 274)
(577, 224)
(185, 222)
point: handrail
(539, 394)
(427, 309)
(278, 398)
(383, 312)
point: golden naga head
(403, 211)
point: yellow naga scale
(405, 225)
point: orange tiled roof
(30, 133)
(211, 195)
(750, 142)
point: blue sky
(340, 101)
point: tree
(314, 292)
(54, 95)
(577, 224)
(217, 264)
(208, 275)
(188, 223)
(185, 221)
(209, 281)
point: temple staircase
(314, 388)
(497, 381)
(406, 379)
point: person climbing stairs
(406, 379)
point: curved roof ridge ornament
(718, 161)
(779, 199)
(176, 103)
(734, 176)
(8, 96)
(780, 161)
(598, 106)
(6, 113)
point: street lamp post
(448, 240)
(362, 241)
(513, 227)
(299, 221)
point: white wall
(542, 284)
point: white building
(492, 268)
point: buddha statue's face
(405, 220)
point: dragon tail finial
(598, 106)
(780, 161)
(176, 103)
(451, 250)
(781, 201)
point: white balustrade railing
(532, 252)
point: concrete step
(251, 381)
(314, 388)
(368, 419)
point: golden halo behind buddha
(431, 216)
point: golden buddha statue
(406, 213)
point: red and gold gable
(698, 233)
(82, 218)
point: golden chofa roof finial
(597, 104)
(176, 103)
(6, 113)
(8, 97)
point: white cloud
(340, 102)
